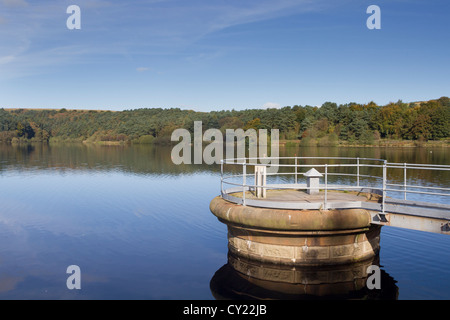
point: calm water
(139, 227)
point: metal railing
(405, 187)
(359, 174)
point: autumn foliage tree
(353, 122)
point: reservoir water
(139, 227)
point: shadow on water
(250, 280)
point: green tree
(20, 130)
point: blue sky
(216, 54)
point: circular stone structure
(298, 237)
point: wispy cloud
(14, 3)
(142, 69)
(271, 105)
(236, 13)
(36, 33)
(6, 59)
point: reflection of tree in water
(138, 159)
(249, 280)
(156, 159)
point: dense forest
(328, 124)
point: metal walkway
(384, 189)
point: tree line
(324, 125)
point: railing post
(384, 185)
(326, 187)
(221, 177)
(260, 181)
(404, 180)
(244, 181)
(295, 170)
(357, 172)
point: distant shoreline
(379, 143)
(386, 143)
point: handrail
(358, 163)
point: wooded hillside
(352, 122)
